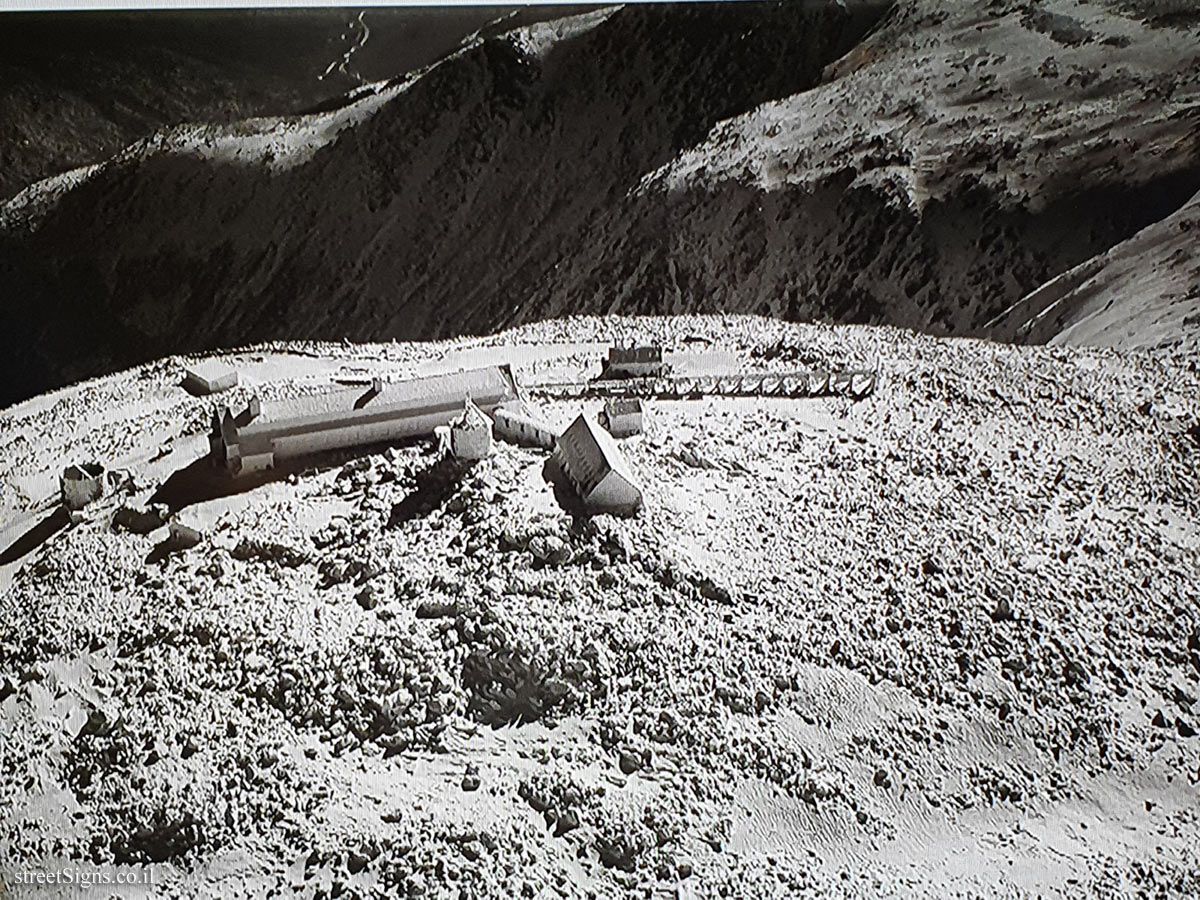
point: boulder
(140, 520)
(548, 549)
(183, 535)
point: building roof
(589, 453)
(622, 406)
(210, 370)
(635, 354)
(333, 409)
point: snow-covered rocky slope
(956, 159)
(1143, 292)
(943, 641)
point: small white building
(623, 416)
(471, 433)
(599, 474)
(209, 376)
(82, 484)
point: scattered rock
(140, 520)
(1076, 674)
(438, 609)
(471, 780)
(568, 821)
(710, 590)
(182, 536)
(629, 762)
(1003, 611)
(548, 549)
(367, 597)
(1033, 563)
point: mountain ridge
(905, 164)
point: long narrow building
(263, 434)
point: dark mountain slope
(432, 205)
(958, 158)
(77, 87)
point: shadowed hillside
(922, 164)
(77, 87)
(431, 204)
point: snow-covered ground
(942, 640)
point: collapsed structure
(263, 434)
(587, 455)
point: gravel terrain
(941, 641)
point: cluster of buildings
(262, 435)
(468, 409)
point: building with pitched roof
(588, 456)
(264, 433)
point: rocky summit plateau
(907, 605)
(940, 640)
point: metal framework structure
(854, 383)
